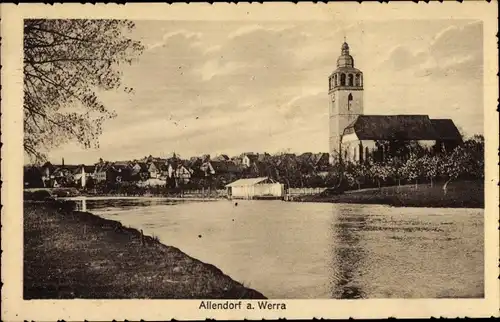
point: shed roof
(247, 182)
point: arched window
(342, 79)
(335, 80)
(358, 80)
(351, 80)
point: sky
(212, 87)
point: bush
(39, 195)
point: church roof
(446, 129)
(402, 127)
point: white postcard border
(14, 308)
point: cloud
(249, 29)
(454, 50)
(457, 50)
(457, 40)
(402, 58)
(212, 49)
(467, 67)
(179, 33)
(303, 107)
(217, 67)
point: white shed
(255, 188)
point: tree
(359, 172)
(395, 169)
(452, 166)
(430, 167)
(475, 151)
(288, 170)
(66, 62)
(379, 172)
(412, 169)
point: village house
(247, 159)
(222, 157)
(154, 169)
(194, 164)
(221, 171)
(320, 161)
(261, 169)
(102, 171)
(122, 171)
(46, 169)
(82, 174)
(179, 171)
(139, 171)
(54, 176)
(237, 160)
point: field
(70, 254)
(460, 194)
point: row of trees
(466, 161)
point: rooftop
(391, 127)
(247, 182)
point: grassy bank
(460, 194)
(70, 254)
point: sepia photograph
(253, 161)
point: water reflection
(307, 250)
(82, 204)
(348, 253)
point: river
(318, 250)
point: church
(353, 135)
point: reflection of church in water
(355, 134)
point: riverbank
(90, 197)
(73, 193)
(72, 254)
(460, 194)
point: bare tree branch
(65, 62)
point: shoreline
(73, 254)
(461, 194)
(104, 197)
(393, 203)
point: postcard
(249, 161)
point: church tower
(345, 89)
